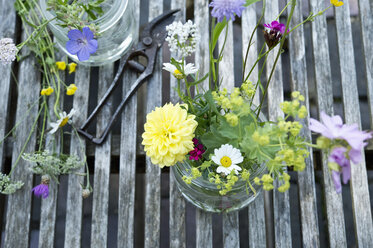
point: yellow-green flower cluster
(286, 185)
(293, 127)
(294, 108)
(224, 187)
(248, 89)
(260, 139)
(293, 158)
(195, 174)
(234, 101)
(266, 180)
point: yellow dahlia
(168, 135)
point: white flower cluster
(8, 50)
(182, 38)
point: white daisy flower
(64, 119)
(227, 157)
(188, 69)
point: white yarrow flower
(182, 38)
(188, 69)
(62, 121)
(227, 157)
(8, 50)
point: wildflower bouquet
(221, 148)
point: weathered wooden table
(136, 204)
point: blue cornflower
(227, 8)
(81, 43)
(43, 188)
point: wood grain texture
(257, 228)
(102, 165)
(49, 205)
(324, 89)
(177, 202)
(306, 179)
(359, 183)
(74, 203)
(127, 158)
(153, 172)
(7, 30)
(201, 18)
(19, 203)
(366, 20)
(281, 205)
(226, 77)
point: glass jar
(116, 32)
(204, 194)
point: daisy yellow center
(64, 121)
(178, 74)
(226, 161)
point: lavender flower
(227, 8)
(43, 188)
(338, 156)
(81, 43)
(8, 50)
(333, 128)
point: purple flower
(338, 156)
(41, 190)
(81, 43)
(227, 8)
(276, 26)
(196, 154)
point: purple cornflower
(338, 156)
(333, 128)
(276, 26)
(43, 188)
(81, 43)
(196, 154)
(227, 8)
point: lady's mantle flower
(338, 156)
(43, 188)
(72, 67)
(8, 50)
(274, 34)
(168, 135)
(61, 65)
(196, 154)
(81, 43)
(64, 119)
(47, 91)
(71, 89)
(336, 3)
(227, 8)
(182, 38)
(188, 69)
(227, 157)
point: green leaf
(217, 31)
(211, 102)
(249, 2)
(199, 81)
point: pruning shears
(151, 39)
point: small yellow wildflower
(72, 67)
(61, 65)
(336, 3)
(71, 89)
(232, 119)
(47, 92)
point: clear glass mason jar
(116, 32)
(204, 194)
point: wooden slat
(226, 76)
(257, 228)
(19, 203)
(7, 30)
(306, 179)
(359, 183)
(153, 172)
(177, 202)
(74, 212)
(366, 20)
(102, 165)
(49, 205)
(324, 89)
(281, 206)
(127, 159)
(201, 18)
